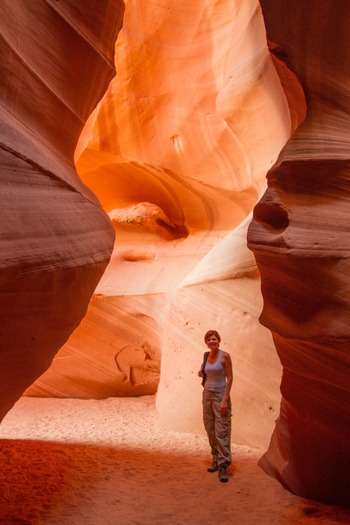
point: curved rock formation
(115, 352)
(56, 62)
(299, 236)
(177, 152)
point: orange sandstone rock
(115, 352)
(177, 152)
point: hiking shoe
(223, 474)
(213, 467)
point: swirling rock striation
(56, 61)
(177, 152)
(115, 352)
(299, 236)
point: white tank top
(216, 374)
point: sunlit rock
(115, 352)
(177, 153)
(190, 125)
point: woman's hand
(200, 373)
(224, 408)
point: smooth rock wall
(116, 351)
(56, 61)
(299, 236)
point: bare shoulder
(227, 364)
(226, 357)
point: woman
(217, 375)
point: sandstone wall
(56, 61)
(299, 235)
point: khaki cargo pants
(218, 427)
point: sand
(77, 462)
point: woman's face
(213, 342)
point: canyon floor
(78, 462)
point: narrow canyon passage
(136, 141)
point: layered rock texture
(176, 154)
(56, 62)
(300, 237)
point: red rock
(299, 236)
(56, 62)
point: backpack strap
(205, 359)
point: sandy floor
(72, 462)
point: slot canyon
(169, 168)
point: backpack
(205, 359)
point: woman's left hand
(224, 408)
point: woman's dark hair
(210, 333)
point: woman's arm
(227, 363)
(200, 373)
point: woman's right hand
(200, 373)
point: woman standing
(217, 377)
